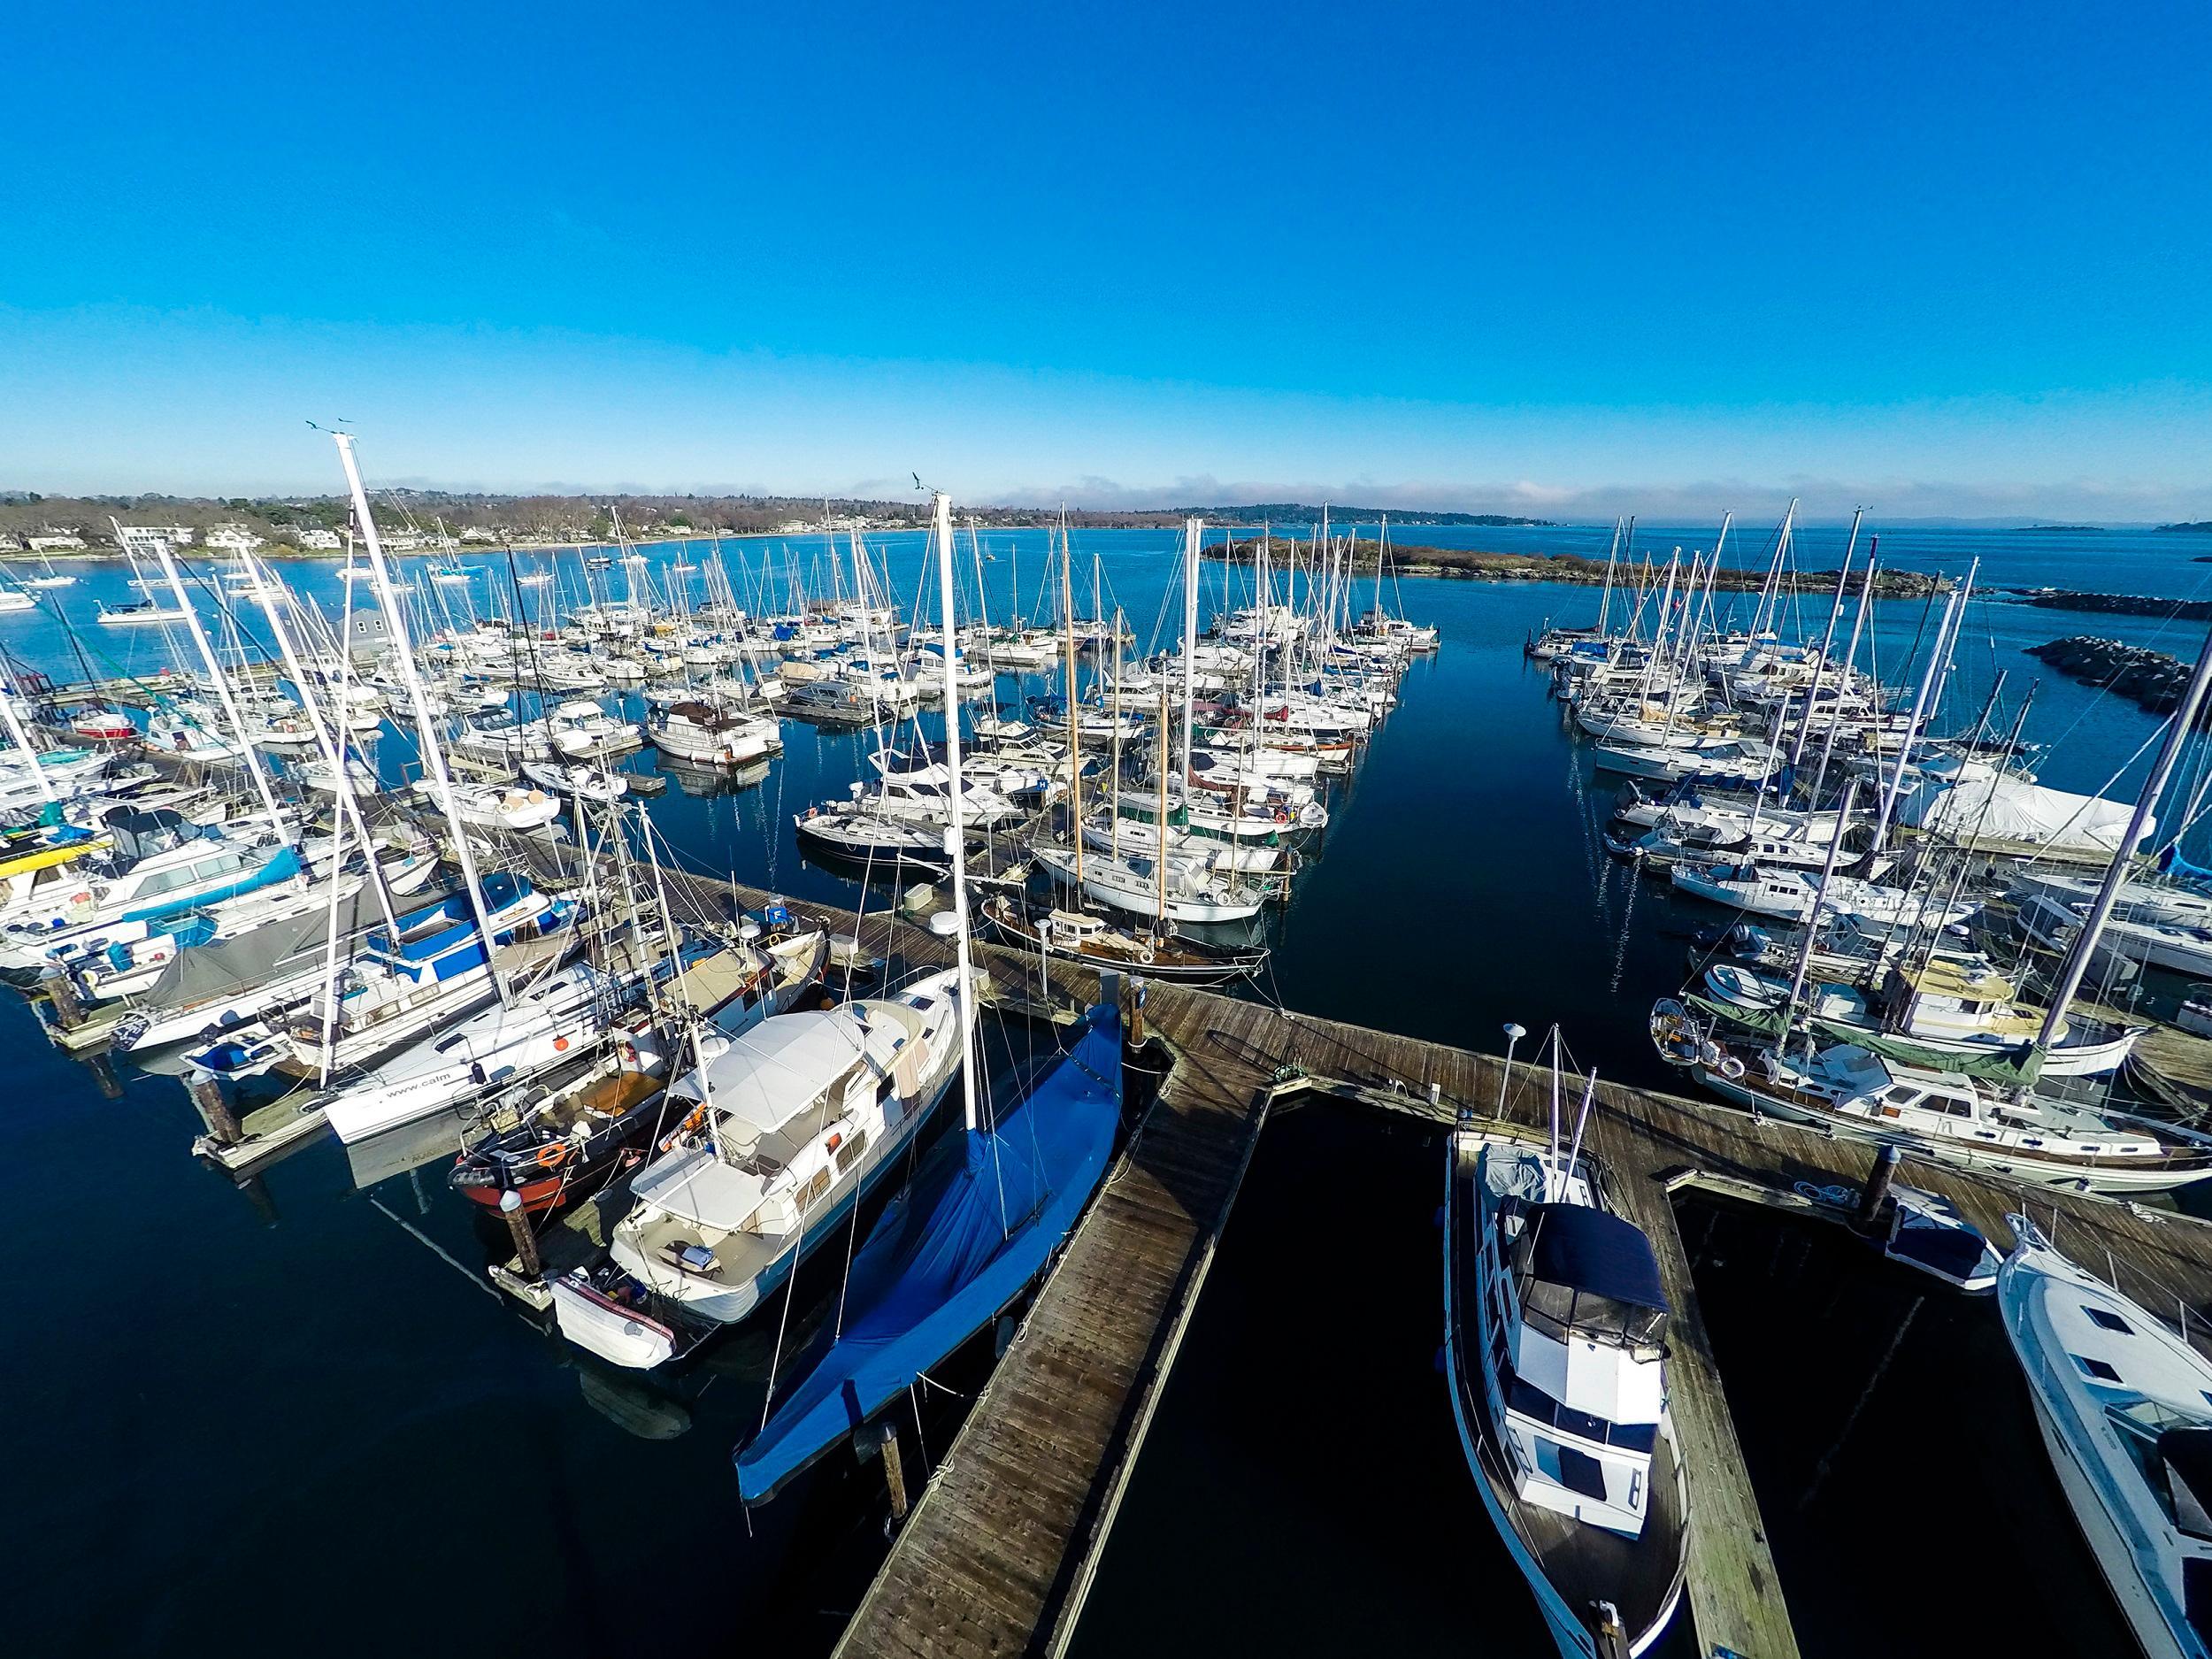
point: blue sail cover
(2173, 864)
(983, 1213)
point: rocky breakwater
(2150, 678)
(2117, 604)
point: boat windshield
(1559, 1310)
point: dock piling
(893, 1472)
(61, 992)
(1877, 1181)
(206, 1090)
(519, 1227)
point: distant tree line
(592, 517)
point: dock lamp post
(1513, 1035)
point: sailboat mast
(1812, 922)
(215, 673)
(1912, 728)
(17, 730)
(1192, 528)
(1820, 663)
(334, 752)
(2115, 873)
(1159, 852)
(1113, 835)
(955, 836)
(433, 755)
(1605, 599)
(1075, 717)
(1850, 659)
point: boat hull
(1993, 1162)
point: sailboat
(52, 578)
(977, 1223)
(1554, 1342)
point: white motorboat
(1555, 1347)
(785, 1127)
(583, 782)
(1791, 894)
(708, 735)
(2124, 1405)
(582, 730)
(493, 806)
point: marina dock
(999, 1550)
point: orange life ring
(552, 1156)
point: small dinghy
(579, 782)
(602, 1323)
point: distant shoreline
(1469, 564)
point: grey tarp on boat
(273, 951)
(2016, 1067)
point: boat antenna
(1513, 1035)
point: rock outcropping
(2150, 678)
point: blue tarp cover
(1588, 1249)
(940, 1262)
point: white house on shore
(316, 540)
(55, 541)
(232, 538)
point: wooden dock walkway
(997, 1557)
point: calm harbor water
(295, 1414)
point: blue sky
(1561, 259)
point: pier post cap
(510, 1202)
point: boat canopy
(980, 1217)
(776, 1070)
(1584, 1249)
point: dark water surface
(293, 1416)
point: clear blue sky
(1943, 258)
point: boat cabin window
(2096, 1368)
(1577, 1472)
(2109, 1320)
